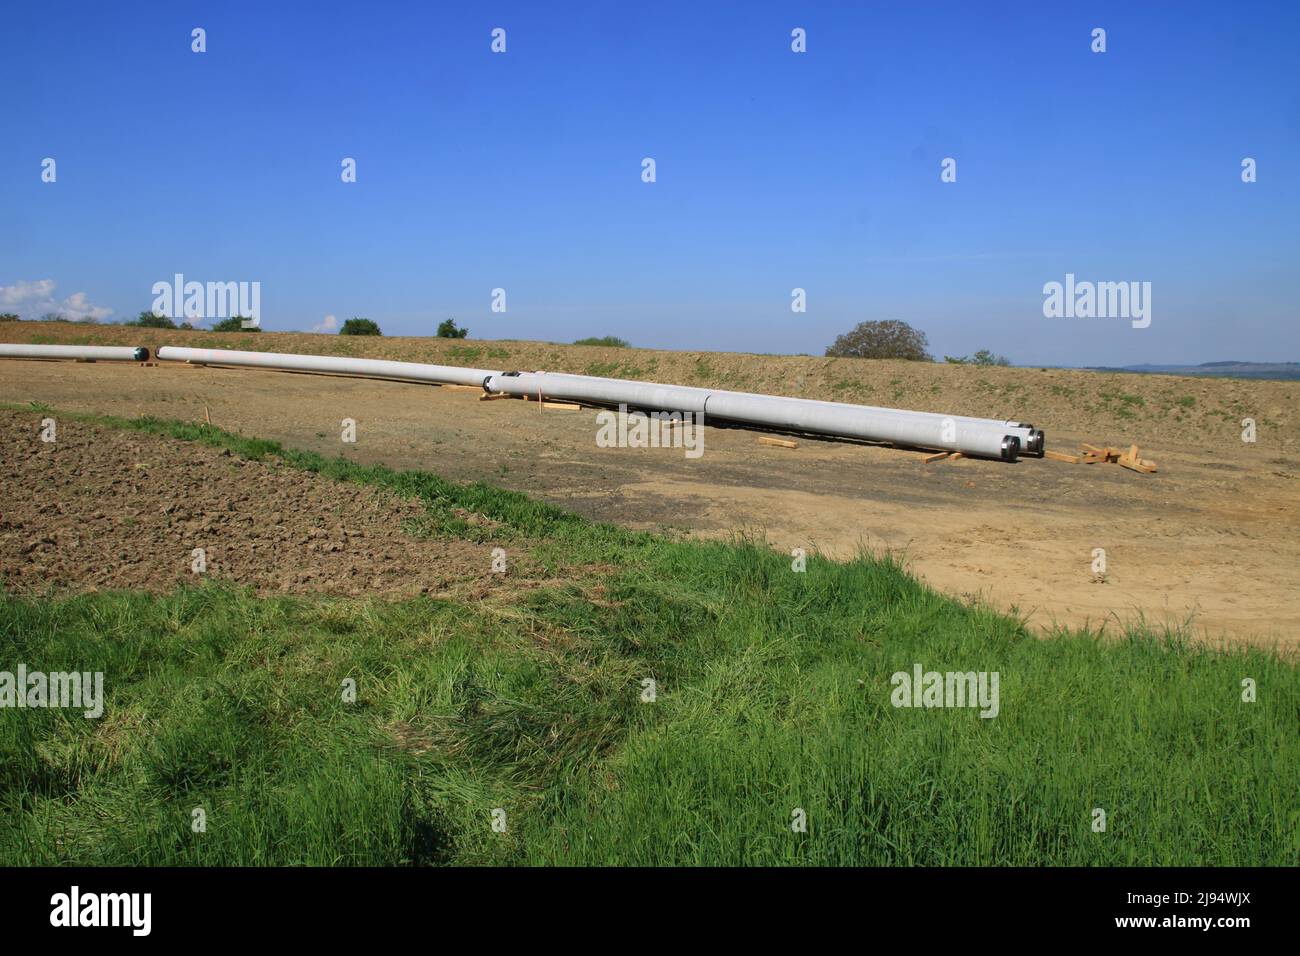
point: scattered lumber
(778, 442)
(1094, 455)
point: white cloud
(23, 290)
(330, 324)
(33, 299)
(75, 306)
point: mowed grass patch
(771, 698)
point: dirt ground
(1210, 541)
(101, 508)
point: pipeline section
(981, 437)
(1032, 440)
(368, 368)
(974, 436)
(87, 353)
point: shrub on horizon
(148, 320)
(887, 339)
(355, 326)
(235, 324)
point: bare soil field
(1210, 541)
(101, 508)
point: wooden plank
(562, 406)
(778, 442)
(1062, 456)
(461, 388)
(492, 398)
(937, 456)
(1135, 466)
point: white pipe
(371, 368)
(982, 438)
(973, 436)
(1031, 438)
(93, 353)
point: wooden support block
(462, 388)
(492, 398)
(562, 406)
(1133, 465)
(1062, 456)
(778, 442)
(1093, 449)
(1133, 452)
(937, 456)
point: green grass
(773, 694)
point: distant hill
(1285, 371)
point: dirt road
(1211, 541)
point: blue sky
(775, 170)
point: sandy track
(1211, 541)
